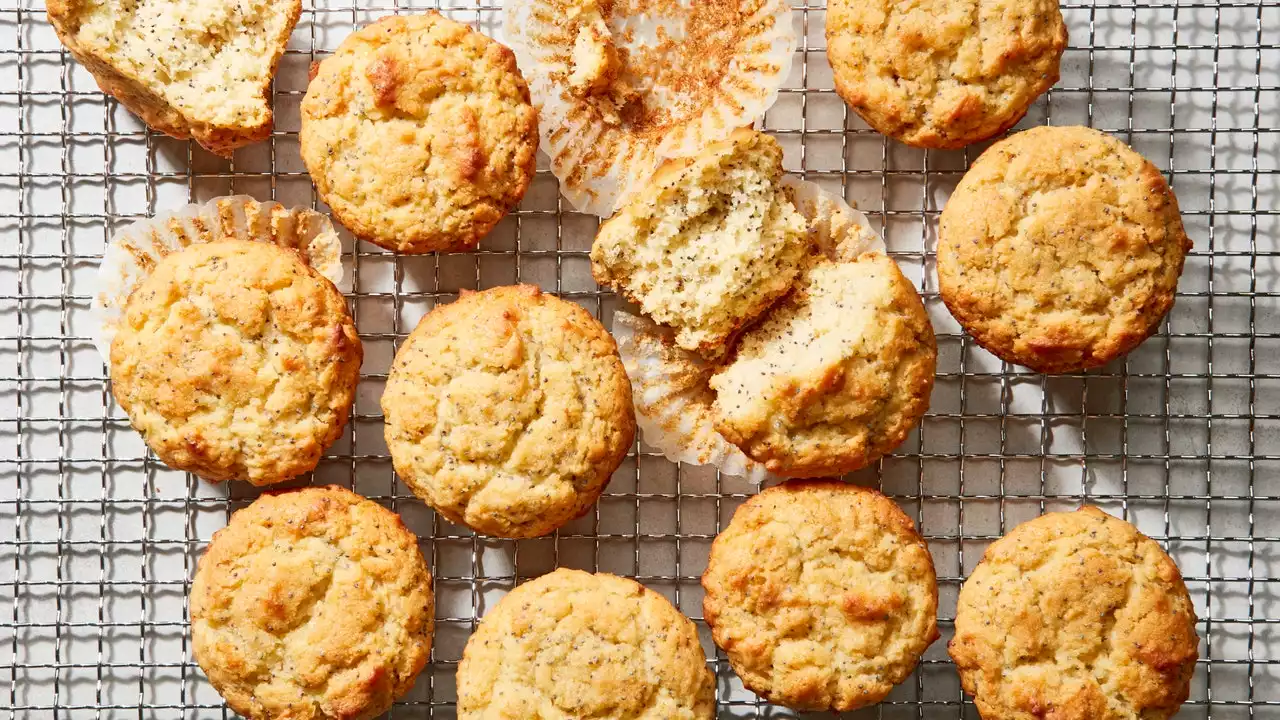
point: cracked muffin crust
(1075, 616)
(1060, 249)
(197, 69)
(835, 376)
(709, 244)
(822, 594)
(313, 603)
(571, 644)
(419, 134)
(236, 360)
(508, 410)
(943, 73)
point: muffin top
(835, 376)
(944, 73)
(1075, 615)
(822, 594)
(507, 411)
(235, 360)
(576, 645)
(418, 133)
(312, 603)
(1060, 249)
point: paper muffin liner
(839, 231)
(672, 397)
(619, 94)
(136, 249)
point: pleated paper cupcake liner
(839, 231)
(673, 400)
(622, 88)
(136, 249)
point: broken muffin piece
(709, 245)
(197, 69)
(836, 376)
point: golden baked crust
(235, 360)
(835, 376)
(312, 604)
(1075, 616)
(822, 594)
(943, 73)
(709, 244)
(419, 134)
(197, 69)
(575, 645)
(508, 410)
(1060, 249)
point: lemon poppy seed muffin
(508, 410)
(1060, 249)
(822, 594)
(835, 376)
(313, 603)
(198, 69)
(571, 644)
(709, 244)
(1075, 615)
(944, 73)
(236, 360)
(418, 133)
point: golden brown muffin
(312, 603)
(944, 73)
(822, 594)
(1060, 249)
(419, 134)
(508, 410)
(575, 645)
(709, 244)
(189, 68)
(1075, 616)
(236, 361)
(835, 376)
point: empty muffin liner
(136, 249)
(624, 86)
(670, 386)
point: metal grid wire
(98, 541)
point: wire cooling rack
(98, 541)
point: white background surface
(97, 542)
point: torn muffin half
(709, 245)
